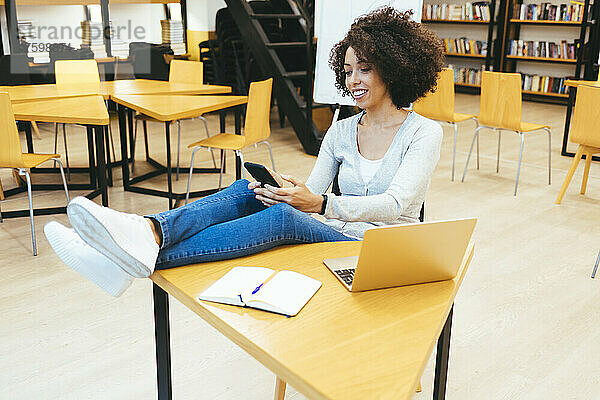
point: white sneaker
(126, 239)
(84, 259)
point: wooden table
(86, 110)
(167, 109)
(574, 83)
(342, 345)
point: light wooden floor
(526, 322)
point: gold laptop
(408, 254)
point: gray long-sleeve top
(395, 193)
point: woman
(384, 155)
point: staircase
(290, 62)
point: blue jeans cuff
(166, 242)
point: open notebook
(283, 292)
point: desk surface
(88, 110)
(174, 107)
(342, 345)
(107, 89)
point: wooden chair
(76, 72)
(11, 155)
(181, 71)
(257, 129)
(439, 106)
(500, 109)
(584, 131)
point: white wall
(201, 14)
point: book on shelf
(563, 50)
(543, 84)
(465, 46)
(281, 292)
(92, 37)
(465, 75)
(572, 12)
(476, 11)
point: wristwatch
(324, 205)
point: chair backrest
(439, 105)
(500, 100)
(73, 72)
(11, 155)
(586, 116)
(257, 126)
(183, 71)
(14, 70)
(148, 60)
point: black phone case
(261, 174)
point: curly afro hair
(407, 56)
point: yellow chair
(440, 107)
(77, 72)
(584, 131)
(500, 109)
(180, 71)
(11, 155)
(257, 129)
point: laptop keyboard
(347, 275)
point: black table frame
(126, 121)
(163, 348)
(97, 170)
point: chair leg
(475, 136)
(222, 165)
(135, 128)
(36, 130)
(189, 183)
(549, 155)
(55, 139)
(498, 155)
(62, 174)
(569, 176)
(66, 150)
(239, 154)
(520, 157)
(279, 389)
(270, 154)
(454, 148)
(112, 141)
(586, 171)
(23, 171)
(178, 149)
(419, 388)
(477, 151)
(212, 155)
(1, 191)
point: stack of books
(479, 10)
(470, 76)
(564, 50)
(543, 84)
(549, 12)
(117, 46)
(92, 36)
(26, 36)
(465, 46)
(172, 34)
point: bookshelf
(545, 40)
(466, 22)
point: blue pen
(264, 282)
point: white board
(332, 21)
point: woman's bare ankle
(157, 235)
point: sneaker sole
(103, 278)
(96, 235)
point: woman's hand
(298, 195)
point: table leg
(169, 181)
(91, 156)
(571, 101)
(100, 160)
(441, 361)
(222, 127)
(123, 140)
(108, 159)
(163, 342)
(238, 131)
(28, 136)
(130, 121)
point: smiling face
(364, 83)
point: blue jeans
(232, 223)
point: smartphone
(261, 174)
